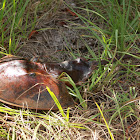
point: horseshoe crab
(23, 82)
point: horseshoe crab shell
(23, 84)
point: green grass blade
(77, 93)
(56, 102)
(112, 138)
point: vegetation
(108, 102)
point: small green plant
(75, 91)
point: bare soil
(58, 37)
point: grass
(109, 100)
(17, 20)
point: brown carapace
(23, 83)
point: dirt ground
(58, 37)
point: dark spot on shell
(32, 74)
